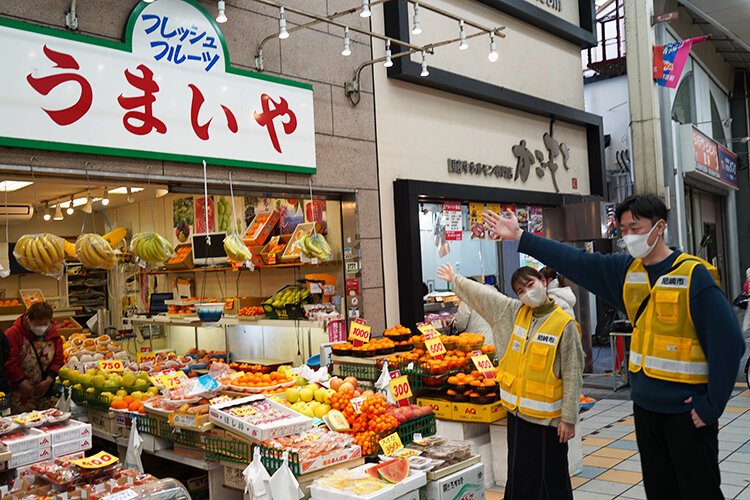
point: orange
(134, 406)
(119, 404)
(128, 399)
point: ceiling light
(130, 196)
(47, 215)
(493, 55)
(425, 71)
(283, 33)
(58, 212)
(222, 17)
(365, 9)
(417, 29)
(462, 34)
(13, 185)
(87, 208)
(347, 51)
(125, 190)
(388, 61)
(105, 198)
(70, 210)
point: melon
(337, 421)
(394, 471)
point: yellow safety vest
(527, 380)
(664, 344)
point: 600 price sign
(400, 388)
(435, 347)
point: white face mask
(39, 331)
(637, 244)
(534, 297)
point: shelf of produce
(195, 321)
(258, 266)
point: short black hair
(643, 206)
(523, 273)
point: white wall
(609, 99)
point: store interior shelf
(195, 322)
(226, 268)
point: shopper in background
(468, 320)
(540, 379)
(4, 353)
(686, 344)
(36, 355)
(556, 289)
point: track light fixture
(58, 212)
(417, 27)
(493, 55)
(47, 215)
(70, 209)
(462, 35)
(425, 71)
(388, 61)
(222, 17)
(130, 195)
(365, 9)
(105, 198)
(283, 33)
(347, 51)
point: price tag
(272, 259)
(357, 404)
(390, 444)
(101, 459)
(236, 375)
(359, 332)
(146, 357)
(29, 417)
(484, 365)
(406, 453)
(145, 349)
(245, 410)
(435, 347)
(219, 400)
(111, 365)
(170, 380)
(400, 389)
(428, 331)
(183, 419)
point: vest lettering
(545, 339)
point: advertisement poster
(224, 214)
(727, 166)
(498, 209)
(475, 217)
(528, 260)
(182, 218)
(315, 211)
(536, 221)
(201, 207)
(290, 210)
(522, 214)
(669, 61)
(508, 207)
(452, 218)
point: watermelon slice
(394, 471)
(373, 471)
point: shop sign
(167, 92)
(727, 166)
(714, 160)
(453, 220)
(557, 152)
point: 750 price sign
(111, 365)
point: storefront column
(644, 102)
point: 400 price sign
(101, 459)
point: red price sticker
(359, 332)
(111, 365)
(245, 410)
(400, 388)
(484, 365)
(143, 357)
(435, 347)
(357, 404)
(391, 444)
(145, 349)
(219, 400)
(272, 259)
(428, 331)
(101, 459)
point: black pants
(678, 460)
(537, 463)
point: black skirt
(537, 463)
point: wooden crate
(69, 331)
(186, 263)
(17, 309)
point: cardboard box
(333, 457)
(232, 305)
(17, 309)
(441, 407)
(63, 449)
(104, 421)
(29, 440)
(466, 483)
(271, 251)
(405, 488)
(31, 295)
(189, 452)
(233, 477)
(220, 415)
(30, 457)
(185, 263)
(71, 430)
(260, 228)
(468, 412)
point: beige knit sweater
(500, 312)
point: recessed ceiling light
(124, 190)
(13, 185)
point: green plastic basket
(90, 400)
(184, 437)
(420, 376)
(227, 450)
(272, 458)
(425, 425)
(147, 425)
(360, 372)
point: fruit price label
(406, 453)
(391, 444)
(245, 410)
(400, 388)
(170, 380)
(435, 347)
(357, 404)
(145, 349)
(111, 365)
(428, 331)
(183, 419)
(484, 365)
(219, 400)
(101, 459)
(29, 417)
(359, 332)
(144, 357)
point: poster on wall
(315, 211)
(475, 218)
(508, 207)
(182, 218)
(202, 206)
(536, 221)
(529, 261)
(522, 214)
(290, 210)
(453, 222)
(498, 209)
(224, 214)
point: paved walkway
(612, 465)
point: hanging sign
(337, 331)
(670, 59)
(452, 217)
(709, 158)
(475, 217)
(168, 92)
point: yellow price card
(400, 388)
(101, 459)
(391, 444)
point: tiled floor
(612, 465)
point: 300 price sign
(400, 388)
(111, 365)
(391, 444)
(360, 332)
(101, 459)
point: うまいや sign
(167, 92)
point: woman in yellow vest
(540, 379)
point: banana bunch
(94, 252)
(151, 247)
(236, 249)
(315, 246)
(40, 253)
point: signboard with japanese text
(727, 166)
(453, 222)
(167, 92)
(706, 160)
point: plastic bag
(383, 383)
(41, 253)
(284, 485)
(236, 249)
(63, 404)
(133, 454)
(257, 479)
(314, 376)
(151, 247)
(94, 252)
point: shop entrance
(706, 228)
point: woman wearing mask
(540, 379)
(557, 291)
(36, 355)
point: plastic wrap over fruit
(94, 252)
(236, 249)
(41, 253)
(151, 247)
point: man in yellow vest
(686, 345)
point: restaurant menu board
(452, 218)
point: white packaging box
(63, 449)
(32, 439)
(466, 483)
(72, 430)
(30, 457)
(405, 489)
(219, 414)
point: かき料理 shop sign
(167, 92)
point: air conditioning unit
(16, 212)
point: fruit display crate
(90, 400)
(369, 373)
(421, 377)
(242, 452)
(425, 425)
